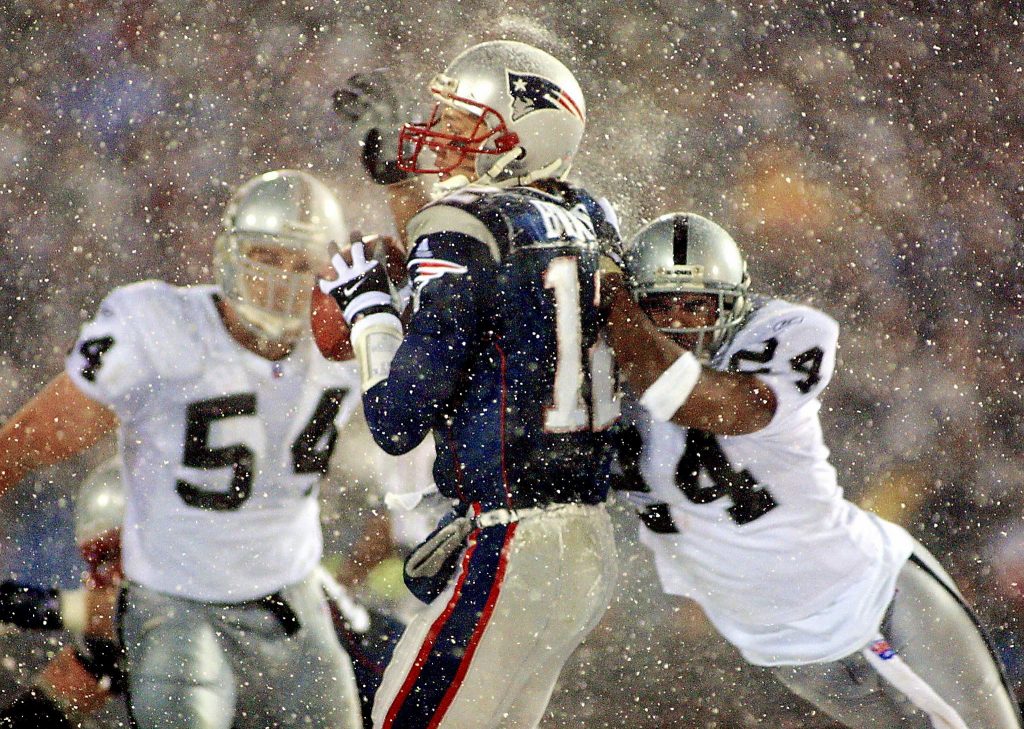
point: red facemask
(490, 127)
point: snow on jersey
(503, 357)
(754, 527)
(223, 450)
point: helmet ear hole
(508, 141)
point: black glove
(103, 659)
(368, 102)
(361, 287)
(26, 606)
(33, 709)
(431, 566)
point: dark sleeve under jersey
(451, 274)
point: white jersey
(754, 527)
(223, 450)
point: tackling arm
(59, 422)
(723, 403)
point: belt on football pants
(277, 606)
(494, 517)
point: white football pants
(930, 667)
(236, 666)
(487, 652)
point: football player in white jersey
(741, 509)
(84, 675)
(226, 420)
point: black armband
(103, 659)
(33, 709)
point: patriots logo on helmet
(532, 93)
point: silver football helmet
(277, 228)
(529, 109)
(683, 253)
(99, 506)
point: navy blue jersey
(503, 357)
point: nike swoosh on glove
(361, 286)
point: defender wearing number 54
(227, 418)
(504, 361)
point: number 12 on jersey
(569, 411)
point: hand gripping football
(330, 332)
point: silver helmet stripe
(685, 253)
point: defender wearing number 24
(742, 511)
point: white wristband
(365, 301)
(74, 610)
(375, 339)
(670, 391)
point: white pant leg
(178, 672)
(558, 576)
(941, 671)
(302, 680)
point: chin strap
(444, 187)
(441, 188)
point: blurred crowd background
(867, 155)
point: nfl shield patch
(882, 649)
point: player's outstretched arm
(723, 403)
(58, 423)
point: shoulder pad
(458, 216)
(777, 317)
(794, 342)
(166, 319)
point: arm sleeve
(450, 273)
(108, 362)
(794, 354)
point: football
(330, 332)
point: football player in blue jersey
(504, 360)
